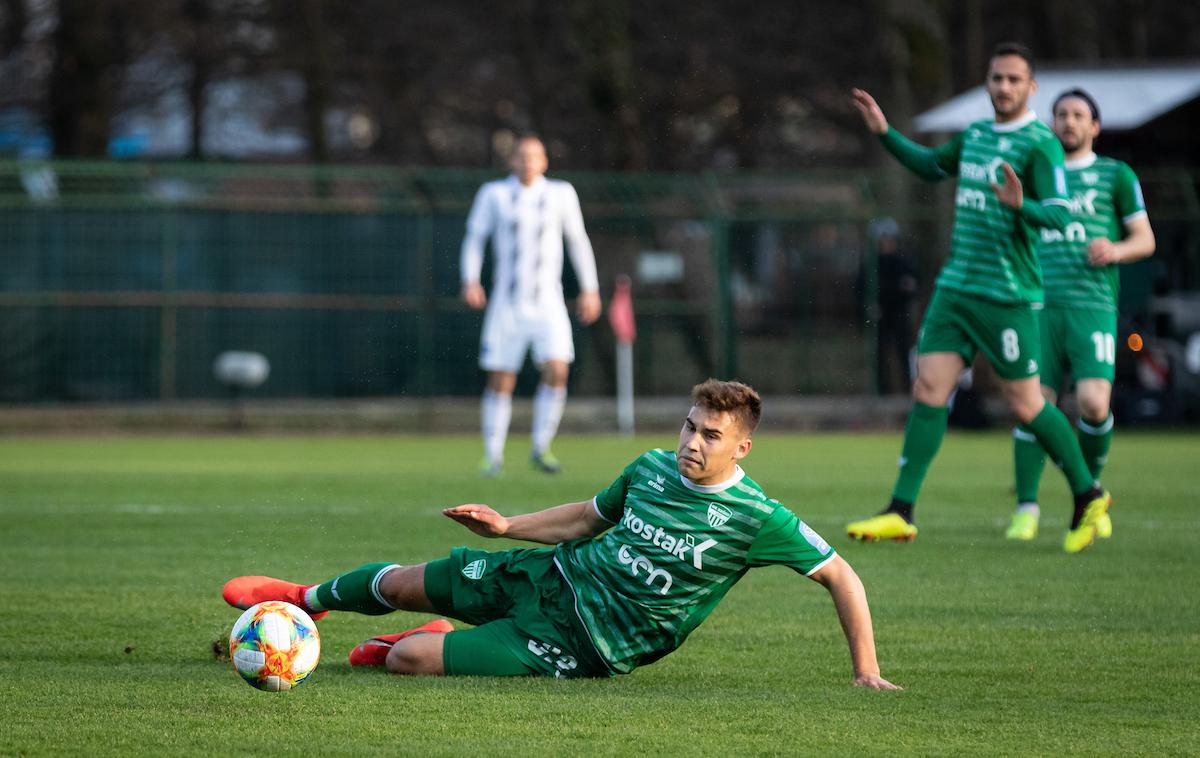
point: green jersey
(1105, 196)
(674, 551)
(993, 249)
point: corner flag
(620, 318)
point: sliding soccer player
(633, 571)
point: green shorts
(524, 612)
(1006, 333)
(1080, 340)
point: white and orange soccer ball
(274, 646)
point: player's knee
(1024, 405)
(1093, 408)
(1026, 409)
(930, 391)
(415, 656)
(403, 588)
(401, 660)
(502, 382)
(554, 373)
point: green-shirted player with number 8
(1109, 226)
(633, 572)
(1011, 182)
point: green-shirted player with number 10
(1109, 226)
(1010, 183)
(633, 572)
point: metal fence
(123, 281)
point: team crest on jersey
(1005, 144)
(1089, 177)
(718, 515)
(475, 569)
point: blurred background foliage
(615, 85)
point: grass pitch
(114, 551)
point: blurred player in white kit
(527, 216)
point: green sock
(922, 437)
(355, 591)
(1094, 440)
(1029, 459)
(1054, 432)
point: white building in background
(1129, 97)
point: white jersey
(527, 226)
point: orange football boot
(245, 591)
(373, 652)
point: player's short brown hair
(1013, 48)
(737, 399)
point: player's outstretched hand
(587, 307)
(474, 295)
(875, 682)
(872, 114)
(479, 518)
(1010, 193)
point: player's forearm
(583, 260)
(1051, 215)
(850, 599)
(561, 523)
(1045, 202)
(471, 258)
(918, 159)
(1138, 245)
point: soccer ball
(274, 646)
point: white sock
(1029, 508)
(548, 404)
(496, 410)
(310, 600)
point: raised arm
(850, 599)
(561, 523)
(931, 164)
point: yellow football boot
(885, 526)
(1104, 527)
(1094, 514)
(1079, 537)
(1024, 526)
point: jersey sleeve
(1045, 187)
(579, 247)
(930, 163)
(1127, 195)
(610, 502)
(785, 540)
(479, 226)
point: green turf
(113, 551)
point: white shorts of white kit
(510, 332)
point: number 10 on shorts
(1106, 348)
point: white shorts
(509, 333)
